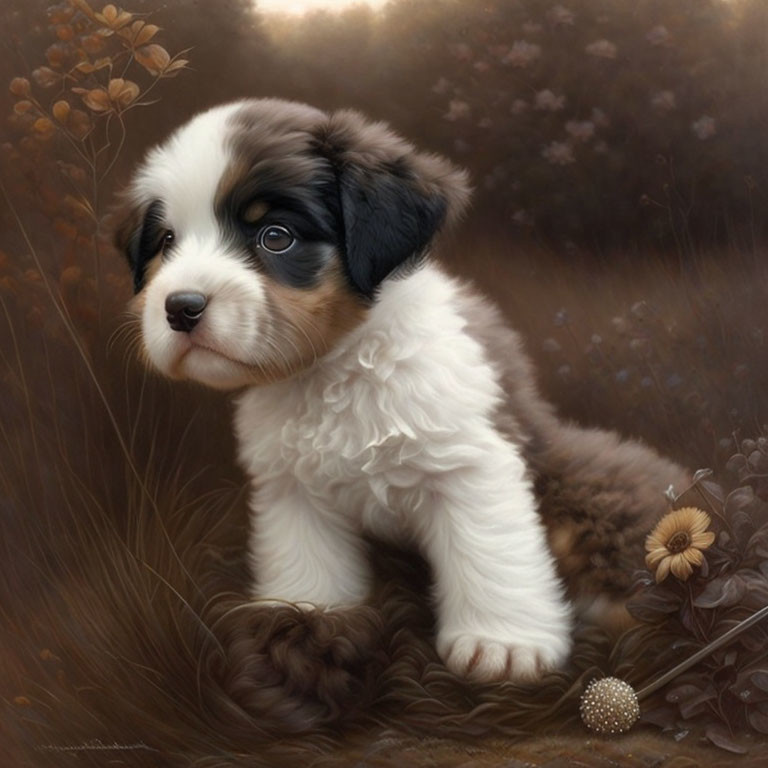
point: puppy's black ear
(392, 199)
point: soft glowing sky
(300, 6)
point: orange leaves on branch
(157, 61)
(139, 33)
(45, 77)
(175, 67)
(79, 124)
(83, 100)
(96, 99)
(65, 32)
(122, 92)
(60, 14)
(44, 127)
(92, 43)
(19, 86)
(154, 58)
(112, 18)
(83, 6)
(59, 54)
(116, 96)
(61, 110)
(86, 67)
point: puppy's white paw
(487, 659)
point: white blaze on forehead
(184, 172)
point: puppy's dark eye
(167, 240)
(276, 239)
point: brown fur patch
(312, 320)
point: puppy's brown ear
(392, 199)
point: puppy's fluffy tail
(600, 495)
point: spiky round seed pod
(609, 706)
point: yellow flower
(677, 542)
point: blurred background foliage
(594, 122)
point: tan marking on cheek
(137, 303)
(308, 323)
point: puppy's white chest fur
(377, 426)
(393, 433)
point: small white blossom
(443, 85)
(549, 101)
(705, 127)
(519, 106)
(561, 15)
(522, 53)
(456, 110)
(558, 153)
(664, 100)
(658, 35)
(482, 66)
(599, 118)
(581, 130)
(531, 28)
(602, 49)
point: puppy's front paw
(488, 659)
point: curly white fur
(393, 433)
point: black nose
(184, 309)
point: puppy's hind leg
(304, 554)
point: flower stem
(703, 652)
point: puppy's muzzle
(184, 310)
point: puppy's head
(260, 232)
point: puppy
(283, 253)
